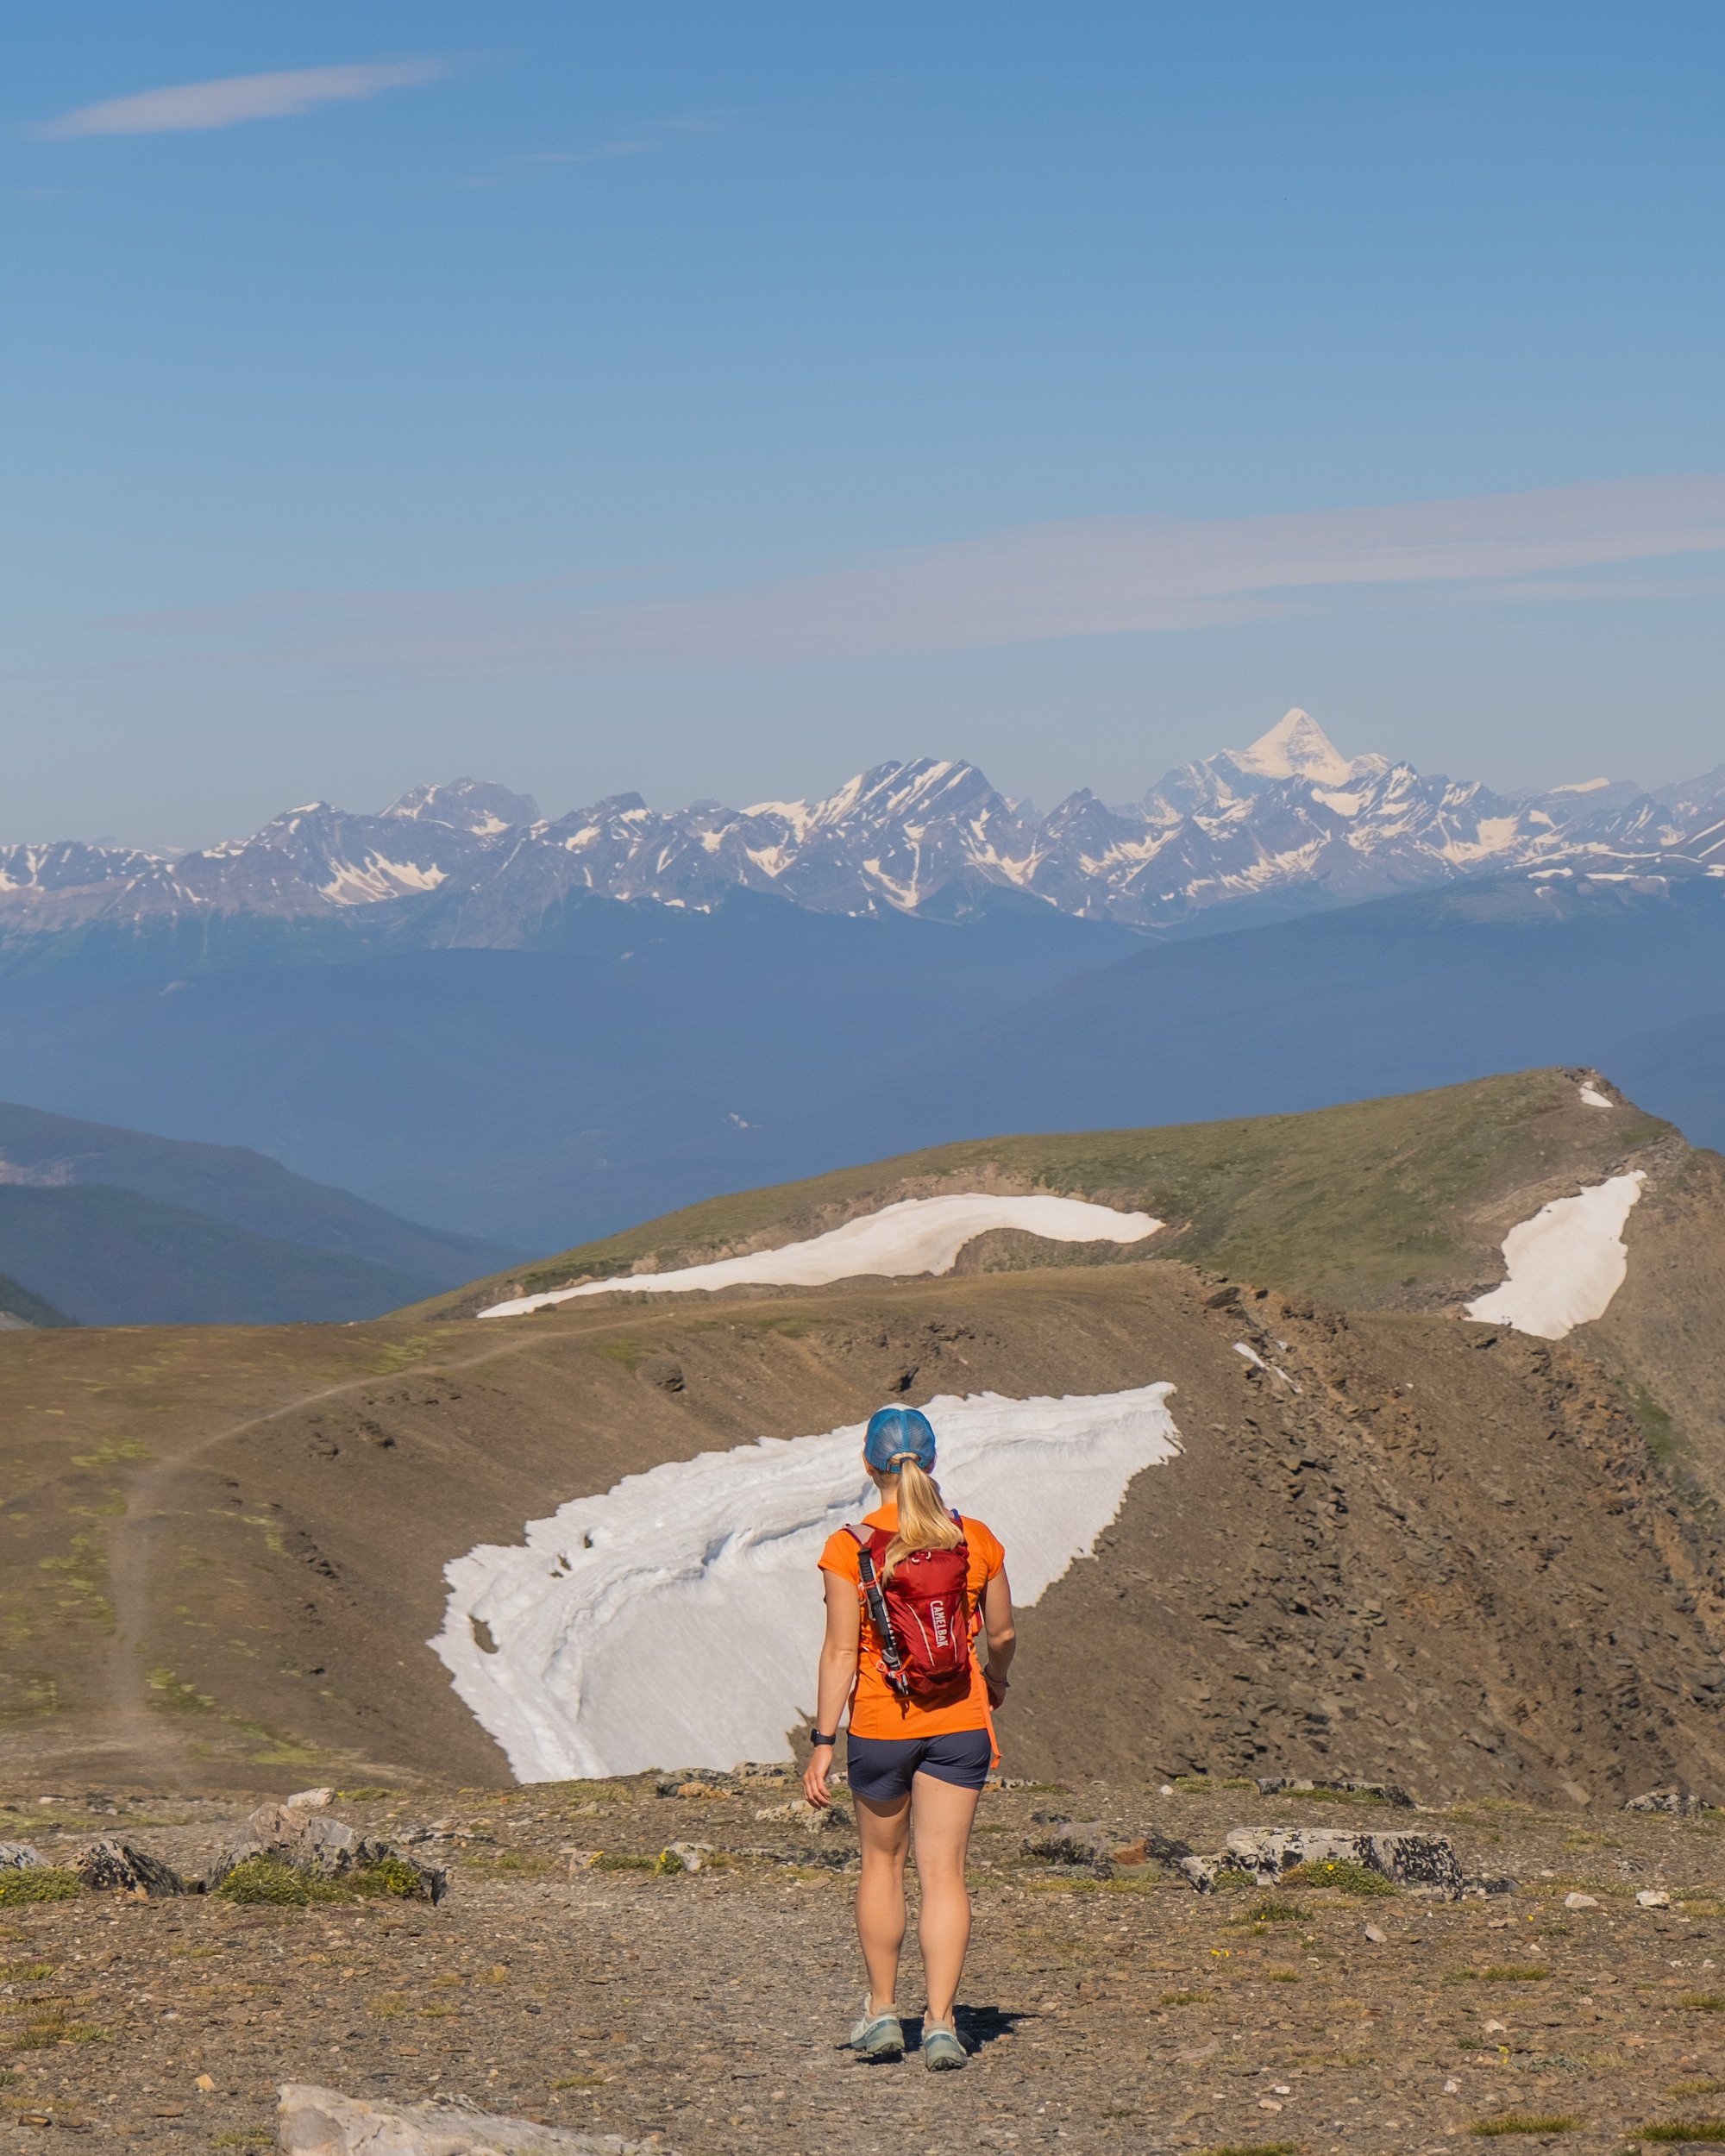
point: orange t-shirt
(875, 1709)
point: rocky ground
(709, 2009)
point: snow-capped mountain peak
(467, 805)
(1296, 747)
(1296, 751)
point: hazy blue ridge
(637, 1056)
(236, 1185)
(18, 1301)
(642, 1057)
(110, 1256)
(1395, 996)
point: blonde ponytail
(923, 1521)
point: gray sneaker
(941, 2053)
(878, 2035)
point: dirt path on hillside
(153, 1749)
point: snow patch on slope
(1565, 1264)
(675, 1621)
(918, 1235)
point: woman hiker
(906, 1594)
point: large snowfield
(918, 1235)
(675, 1621)
(1565, 1264)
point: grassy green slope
(1380, 1202)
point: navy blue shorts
(880, 1768)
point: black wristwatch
(818, 1741)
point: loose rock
(119, 1867)
(314, 2121)
(297, 1834)
(1671, 1799)
(1415, 1860)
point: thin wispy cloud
(661, 136)
(189, 107)
(1103, 576)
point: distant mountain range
(1287, 826)
(537, 1032)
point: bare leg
(942, 1814)
(884, 1831)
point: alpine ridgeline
(1287, 826)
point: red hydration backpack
(921, 1615)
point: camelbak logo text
(938, 1614)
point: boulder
(1426, 1861)
(117, 1867)
(1074, 1841)
(301, 1833)
(314, 2121)
(1677, 1802)
(814, 1819)
(18, 1856)
(1285, 1785)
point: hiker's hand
(997, 1690)
(814, 1778)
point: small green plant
(1271, 1912)
(581, 2081)
(1684, 2130)
(1511, 1975)
(1697, 2088)
(1194, 1784)
(267, 1880)
(244, 2137)
(27, 1972)
(50, 2025)
(41, 1883)
(1335, 1796)
(388, 2004)
(364, 1796)
(1181, 1998)
(1703, 2002)
(1521, 2122)
(1254, 2149)
(1284, 1976)
(1341, 1873)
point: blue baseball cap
(896, 1430)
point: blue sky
(712, 400)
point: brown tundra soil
(708, 2011)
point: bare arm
(1002, 1636)
(836, 1680)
